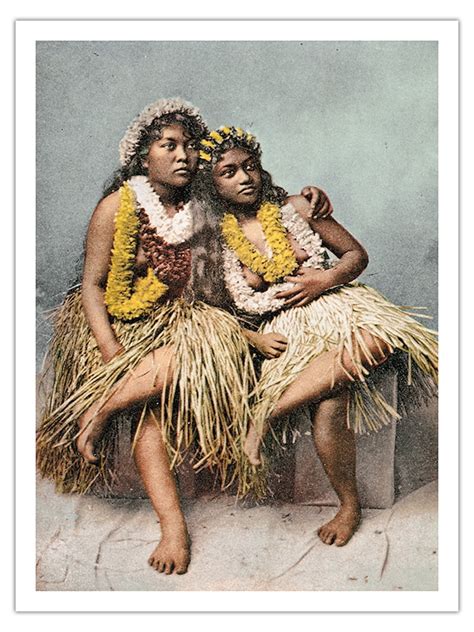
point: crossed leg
(147, 380)
(324, 377)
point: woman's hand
(309, 284)
(270, 345)
(320, 203)
(112, 351)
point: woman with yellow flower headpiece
(320, 335)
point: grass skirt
(204, 411)
(334, 321)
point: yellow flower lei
(283, 260)
(124, 299)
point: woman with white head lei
(127, 340)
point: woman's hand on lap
(270, 345)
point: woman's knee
(374, 350)
(165, 363)
(366, 354)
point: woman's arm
(99, 243)
(353, 259)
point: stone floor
(90, 543)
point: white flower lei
(255, 302)
(174, 229)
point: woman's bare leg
(147, 381)
(335, 445)
(324, 376)
(151, 458)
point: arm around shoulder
(352, 255)
(301, 205)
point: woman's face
(237, 177)
(173, 159)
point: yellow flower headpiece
(211, 145)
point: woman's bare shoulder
(109, 203)
(106, 208)
(103, 217)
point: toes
(87, 452)
(165, 562)
(344, 537)
(155, 563)
(181, 566)
(180, 570)
(326, 535)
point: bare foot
(252, 446)
(173, 552)
(92, 424)
(341, 528)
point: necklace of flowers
(124, 298)
(255, 302)
(174, 230)
(282, 260)
(171, 263)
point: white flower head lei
(255, 302)
(134, 134)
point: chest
(253, 231)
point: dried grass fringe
(334, 321)
(331, 322)
(205, 411)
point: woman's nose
(245, 176)
(181, 154)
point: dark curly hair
(203, 186)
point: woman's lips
(247, 190)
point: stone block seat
(300, 476)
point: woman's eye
(250, 167)
(192, 145)
(169, 146)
